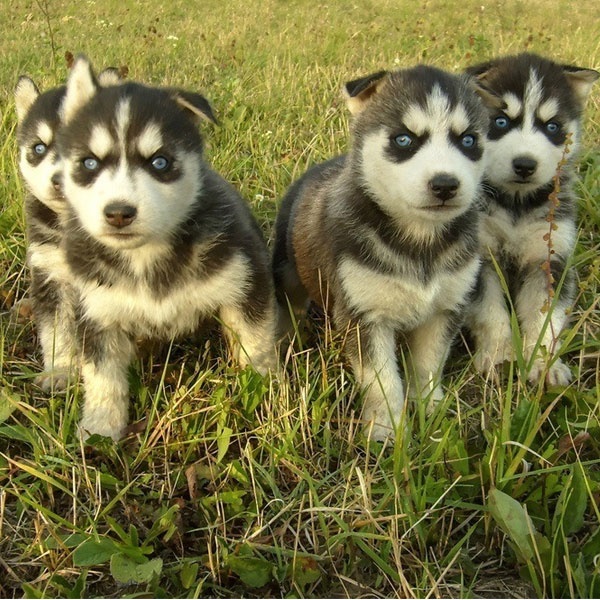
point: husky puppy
(38, 117)
(155, 239)
(542, 104)
(385, 237)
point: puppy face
(38, 118)
(131, 158)
(542, 104)
(418, 143)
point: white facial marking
(548, 109)
(122, 112)
(150, 140)
(513, 105)
(101, 141)
(459, 120)
(45, 133)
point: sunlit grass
(239, 485)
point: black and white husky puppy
(155, 239)
(542, 104)
(38, 117)
(385, 237)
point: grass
(240, 486)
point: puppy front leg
(107, 354)
(429, 345)
(251, 334)
(53, 309)
(531, 297)
(371, 349)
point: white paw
(558, 373)
(380, 424)
(54, 381)
(88, 427)
(486, 359)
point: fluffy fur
(385, 237)
(156, 241)
(52, 296)
(541, 103)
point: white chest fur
(403, 300)
(136, 309)
(524, 239)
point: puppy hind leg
(251, 337)
(54, 314)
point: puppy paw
(89, 426)
(486, 359)
(54, 381)
(379, 425)
(558, 374)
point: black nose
(444, 186)
(56, 181)
(119, 214)
(524, 166)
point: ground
(234, 485)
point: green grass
(242, 486)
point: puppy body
(52, 295)
(51, 292)
(156, 240)
(374, 239)
(541, 103)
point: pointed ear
(110, 76)
(196, 104)
(26, 94)
(81, 87)
(580, 80)
(359, 92)
(488, 97)
(480, 70)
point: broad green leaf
(306, 570)
(577, 503)
(188, 574)
(579, 577)
(513, 520)
(254, 572)
(223, 442)
(69, 540)
(94, 552)
(8, 403)
(127, 571)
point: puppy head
(418, 142)
(39, 117)
(542, 103)
(132, 158)
(38, 122)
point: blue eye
(403, 141)
(160, 163)
(501, 122)
(552, 127)
(40, 149)
(468, 141)
(91, 164)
